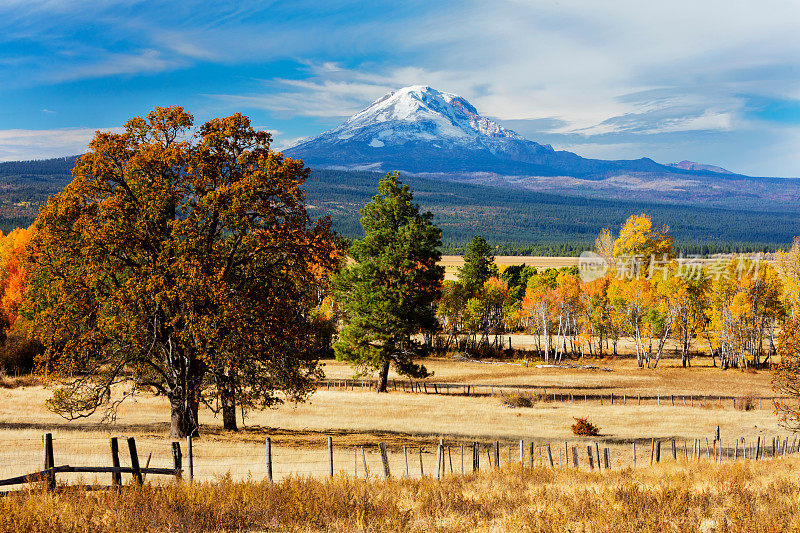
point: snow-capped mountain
(419, 129)
(419, 113)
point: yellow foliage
(638, 237)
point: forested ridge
(515, 221)
(534, 223)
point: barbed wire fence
(560, 395)
(72, 458)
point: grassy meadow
(673, 496)
(361, 417)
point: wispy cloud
(36, 144)
(643, 78)
(110, 64)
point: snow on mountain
(691, 165)
(418, 113)
(419, 129)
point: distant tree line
(733, 308)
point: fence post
(190, 459)
(48, 461)
(268, 443)
(137, 471)
(177, 459)
(549, 455)
(758, 448)
(589, 455)
(476, 457)
(385, 460)
(575, 457)
(607, 459)
(674, 451)
(405, 456)
(330, 456)
(421, 468)
(450, 459)
(496, 454)
(366, 468)
(116, 477)
(634, 455)
(521, 452)
(462, 458)
(597, 454)
(439, 460)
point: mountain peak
(421, 129)
(418, 113)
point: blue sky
(712, 81)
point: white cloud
(143, 62)
(18, 144)
(595, 68)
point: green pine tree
(478, 265)
(387, 295)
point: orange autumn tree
(13, 277)
(174, 262)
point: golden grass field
(672, 496)
(451, 263)
(363, 418)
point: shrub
(584, 428)
(18, 354)
(746, 402)
(518, 399)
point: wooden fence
(450, 458)
(138, 473)
(546, 394)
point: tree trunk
(184, 402)
(227, 399)
(383, 376)
(183, 418)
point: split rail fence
(205, 460)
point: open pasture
(451, 263)
(360, 417)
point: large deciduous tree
(176, 261)
(387, 295)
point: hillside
(519, 221)
(529, 222)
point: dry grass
(672, 497)
(451, 263)
(13, 382)
(356, 419)
(626, 377)
(364, 418)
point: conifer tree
(478, 265)
(387, 295)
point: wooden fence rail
(598, 456)
(547, 394)
(48, 473)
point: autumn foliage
(14, 275)
(180, 263)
